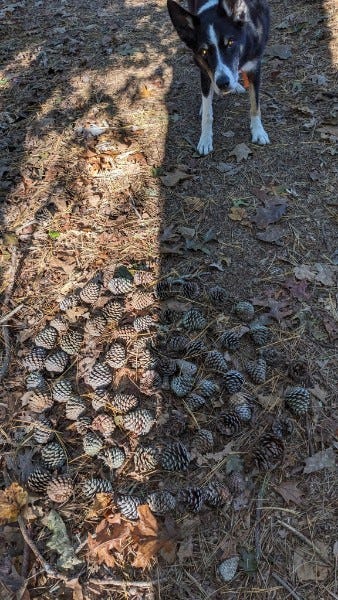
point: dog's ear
(184, 23)
(236, 9)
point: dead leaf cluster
(12, 500)
(118, 542)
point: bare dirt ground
(260, 222)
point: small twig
(11, 314)
(45, 565)
(286, 586)
(306, 541)
(122, 583)
(258, 517)
(24, 572)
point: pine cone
(150, 382)
(215, 361)
(194, 402)
(53, 455)
(128, 506)
(100, 400)
(100, 376)
(141, 300)
(282, 428)
(175, 457)
(39, 402)
(71, 342)
(190, 290)
(92, 443)
(298, 400)
(75, 407)
(203, 441)
(139, 421)
(38, 480)
(161, 503)
(242, 404)
(178, 423)
(193, 498)
(163, 289)
(62, 390)
(207, 388)
(181, 385)
(82, 424)
(35, 360)
(169, 316)
(46, 338)
(230, 424)
(260, 334)
(269, 452)
(144, 323)
(96, 325)
(104, 424)
(91, 291)
(119, 286)
(230, 340)
(69, 302)
(60, 323)
(43, 430)
(272, 357)
(123, 403)
(166, 366)
(125, 332)
(233, 381)
(193, 320)
(236, 482)
(244, 310)
(196, 348)
(215, 494)
(60, 489)
(113, 458)
(146, 459)
(35, 381)
(177, 344)
(257, 370)
(116, 356)
(112, 311)
(218, 295)
(94, 486)
(57, 362)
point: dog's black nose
(223, 82)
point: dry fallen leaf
(137, 542)
(273, 210)
(186, 550)
(173, 178)
(290, 492)
(325, 459)
(241, 152)
(281, 51)
(12, 500)
(307, 566)
(237, 213)
(318, 272)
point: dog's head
(216, 36)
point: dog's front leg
(205, 143)
(259, 135)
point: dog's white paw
(205, 145)
(259, 135)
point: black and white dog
(227, 37)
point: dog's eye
(228, 42)
(204, 52)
